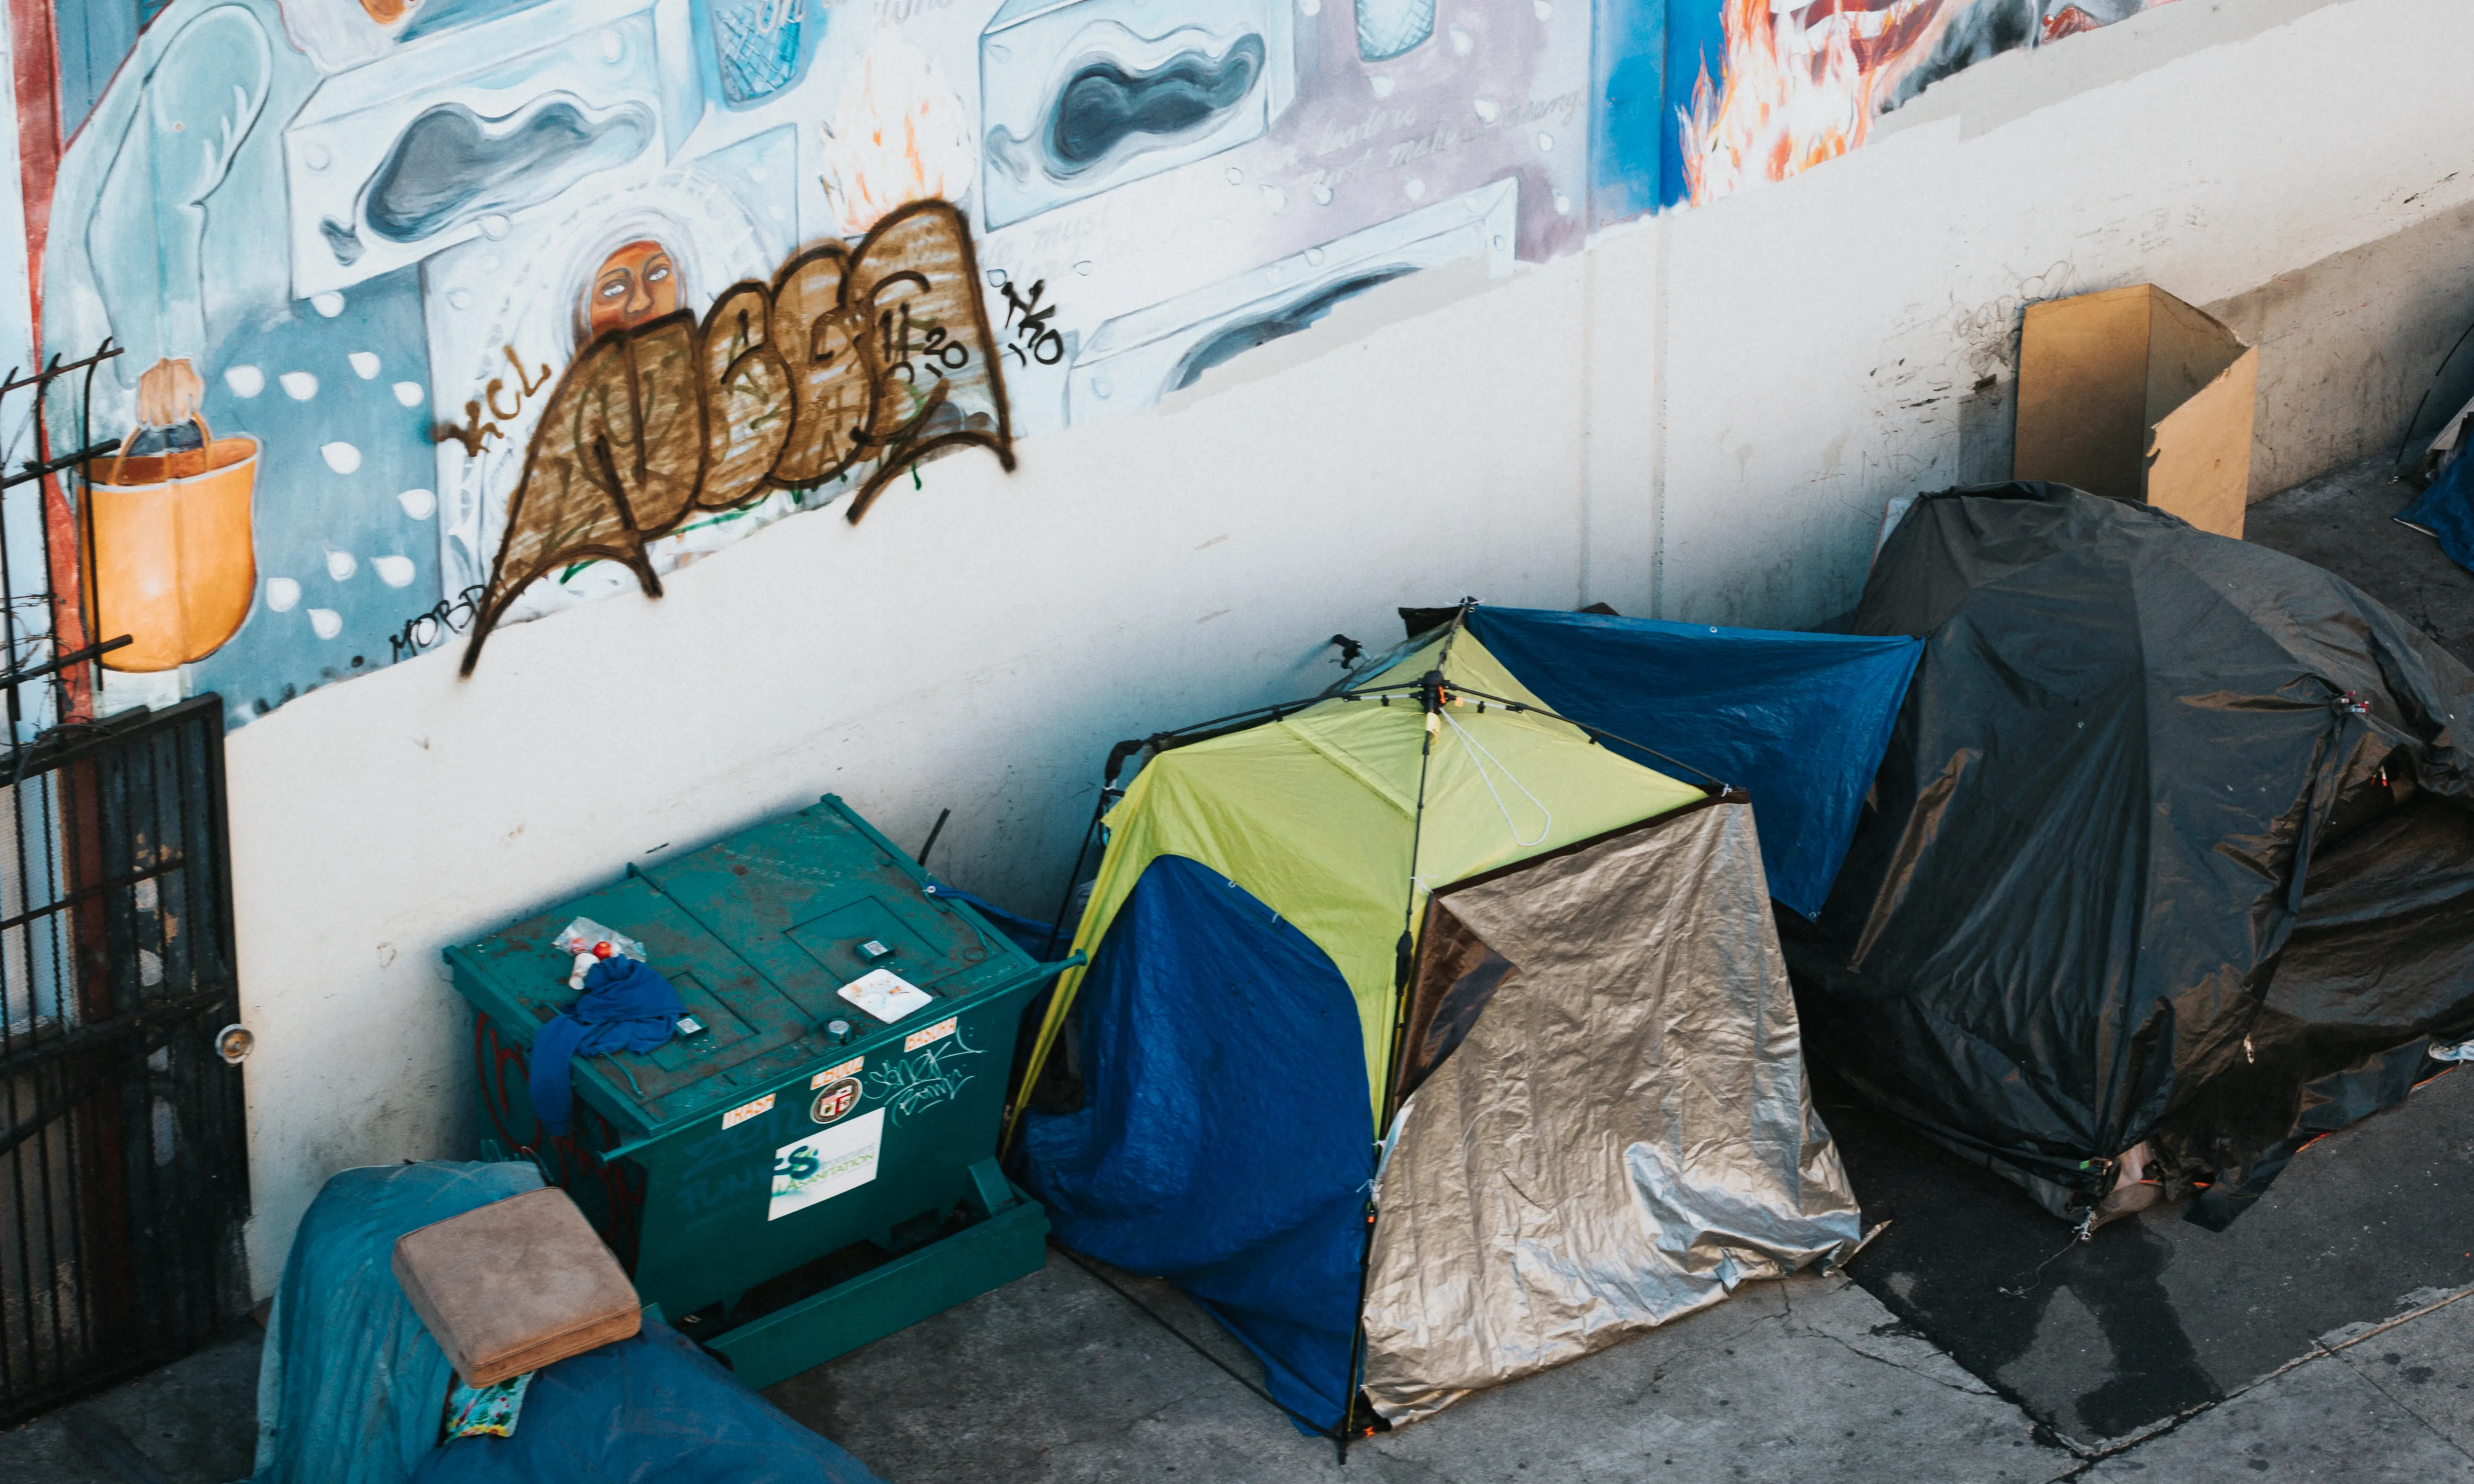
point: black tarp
(2071, 926)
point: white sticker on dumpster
(825, 1163)
(885, 994)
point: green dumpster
(792, 1174)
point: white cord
(1467, 743)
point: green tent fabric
(1317, 813)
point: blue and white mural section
(350, 248)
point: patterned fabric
(486, 1411)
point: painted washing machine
(451, 137)
(1134, 360)
(1079, 96)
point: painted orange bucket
(171, 561)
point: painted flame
(1804, 79)
(900, 133)
(1801, 87)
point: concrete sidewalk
(1059, 1379)
(1064, 1378)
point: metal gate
(123, 1181)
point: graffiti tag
(918, 1084)
(431, 627)
(879, 353)
(474, 434)
(1032, 339)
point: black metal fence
(123, 1176)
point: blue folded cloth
(626, 1007)
(2447, 510)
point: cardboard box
(2132, 393)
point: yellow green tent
(1426, 1042)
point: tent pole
(1715, 784)
(1045, 1042)
(1430, 693)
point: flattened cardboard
(514, 1285)
(2133, 394)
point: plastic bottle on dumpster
(585, 960)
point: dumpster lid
(758, 933)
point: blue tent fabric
(1224, 1141)
(352, 1383)
(2447, 510)
(627, 1006)
(650, 1410)
(1799, 720)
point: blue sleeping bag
(352, 1387)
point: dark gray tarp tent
(2170, 865)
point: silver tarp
(1624, 1133)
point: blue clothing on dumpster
(626, 1007)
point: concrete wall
(1700, 417)
(2350, 344)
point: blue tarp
(1799, 720)
(1037, 938)
(650, 1410)
(353, 1385)
(1223, 1142)
(2447, 510)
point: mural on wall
(1769, 88)
(445, 314)
(876, 356)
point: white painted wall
(1700, 417)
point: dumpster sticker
(835, 1101)
(936, 1032)
(885, 994)
(916, 1084)
(826, 1163)
(835, 1074)
(747, 1110)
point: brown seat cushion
(515, 1284)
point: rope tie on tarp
(2350, 711)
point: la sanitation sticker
(826, 1163)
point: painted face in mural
(637, 283)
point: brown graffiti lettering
(879, 353)
(474, 436)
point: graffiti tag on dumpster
(918, 1084)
